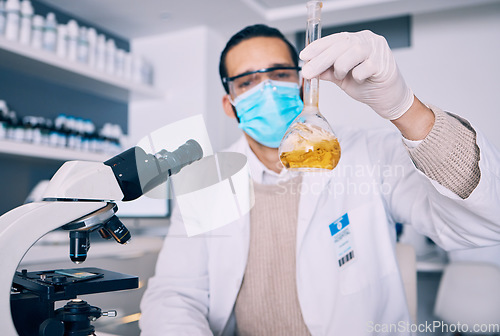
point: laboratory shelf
(27, 150)
(50, 67)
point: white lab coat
(197, 279)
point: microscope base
(32, 303)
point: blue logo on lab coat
(339, 224)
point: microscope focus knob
(76, 316)
(51, 327)
(110, 313)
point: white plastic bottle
(110, 56)
(119, 62)
(82, 46)
(2, 18)
(101, 52)
(92, 40)
(26, 17)
(13, 14)
(62, 41)
(37, 131)
(16, 131)
(3, 119)
(72, 40)
(50, 33)
(37, 31)
(92, 138)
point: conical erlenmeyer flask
(309, 143)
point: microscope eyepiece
(79, 244)
(186, 154)
(138, 172)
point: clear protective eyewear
(242, 83)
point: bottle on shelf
(110, 56)
(19, 22)
(50, 33)
(85, 140)
(37, 32)
(12, 18)
(80, 135)
(62, 41)
(71, 133)
(119, 62)
(14, 128)
(3, 119)
(137, 63)
(111, 135)
(29, 124)
(26, 22)
(83, 46)
(61, 132)
(54, 136)
(72, 40)
(76, 135)
(92, 41)
(2, 18)
(101, 53)
(46, 127)
(37, 123)
(91, 136)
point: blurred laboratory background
(84, 80)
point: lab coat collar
(260, 173)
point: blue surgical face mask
(266, 111)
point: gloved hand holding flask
(363, 66)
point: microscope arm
(22, 227)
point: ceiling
(138, 18)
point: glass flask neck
(311, 96)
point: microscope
(80, 199)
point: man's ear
(228, 107)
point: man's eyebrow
(273, 65)
(282, 65)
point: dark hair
(258, 30)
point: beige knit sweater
(267, 303)
(449, 154)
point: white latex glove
(363, 66)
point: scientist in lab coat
(315, 255)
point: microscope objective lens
(79, 244)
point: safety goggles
(246, 81)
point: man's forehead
(257, 53)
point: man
(315, 256)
